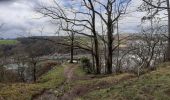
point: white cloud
(19, 16)
(130, 22)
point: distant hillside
(8, 42)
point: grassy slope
(79, 72)
(7, 42)
(21, 91)
(96, 83)
(151, 86)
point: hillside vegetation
(151, 86)
(154, 85)
(23, 91)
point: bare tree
(20, 59)
(147, 50)
(80, 25)
(158, 6)
(34, 53)
(70, 38)
(113, 10)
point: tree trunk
(97, 56)
(93, 63)
(168, 48)
(72, 51)
(109, 59)
(110, 42)
(105, 58)
(118, 67)
(34, 72)
(93, 59)
(96, 43)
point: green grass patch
(110, 79)
(22, 91)
(79, 72)
(8, 42)
(151, 86)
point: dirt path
(79, 90)
(51, 94)
(69, 73)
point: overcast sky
(19, 19)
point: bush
(85, 63)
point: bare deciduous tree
(158, 6)
(109, 13)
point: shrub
(85, 63)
